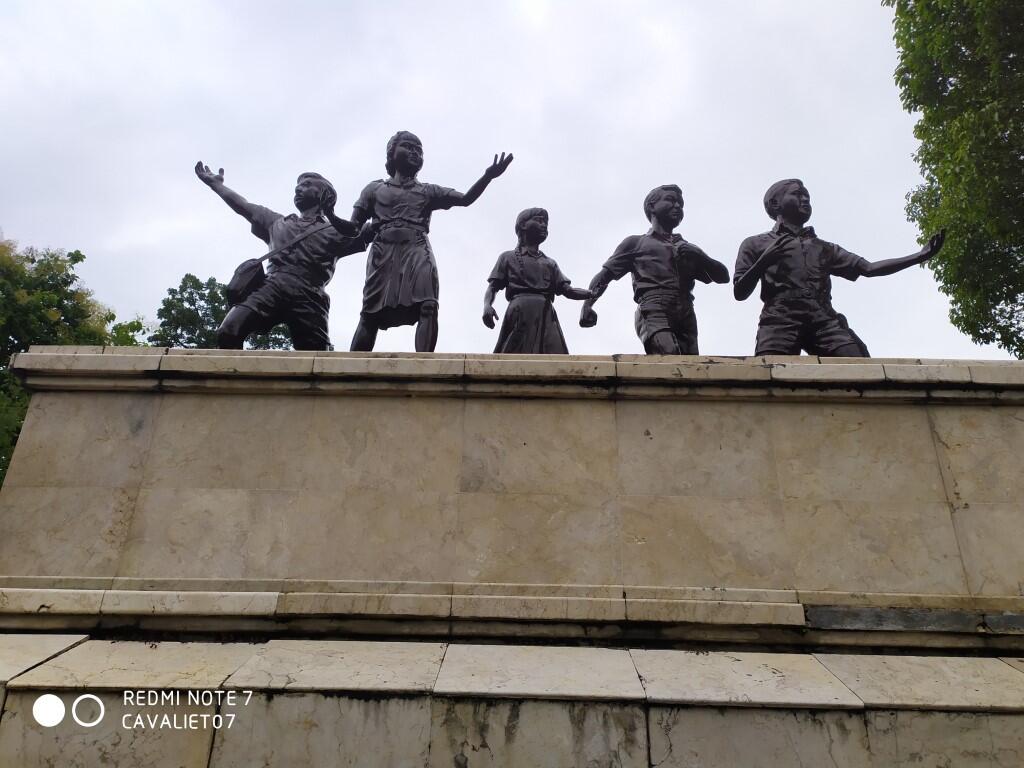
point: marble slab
(103, 664)
(929, 682)
(538, 672)
(329, 665)
(19, 653)
(789, 680)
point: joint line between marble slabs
(444, 655)
(213, 736)
(823, 665)
(949, 488)
(51, 657)
(1019, 672)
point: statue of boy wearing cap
(664, 268)
(308, 245)
(794, 267)
(401, 276)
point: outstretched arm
(493, 171)
(744, 283)
(215, 181)
(343, 226)
(588, 317)
(577, 294)
(891, 266)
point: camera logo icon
(49, 710)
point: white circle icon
(48, 710)
(79, 700)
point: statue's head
(405, 154)
(790, 199)
(666, 204)
(532, 226)
(314, 191)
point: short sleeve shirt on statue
(409, 203)
(313, 258)
(806, 266)
(656, 262)
(524, 272)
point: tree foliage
(43, 302)
(191, 313)
(961, 68)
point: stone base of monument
(479, 560)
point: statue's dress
(400, 270)
(531, 281)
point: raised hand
(490, 315)
(207, 176)
(934, 245)
(588, 317)
(498, 166)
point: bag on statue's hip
(247, 278)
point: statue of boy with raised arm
(307, 248)
(794, 267)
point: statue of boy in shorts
(664, 268)
(794, 267)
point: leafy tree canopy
(43, 302)
(961, 68)
(191, 313)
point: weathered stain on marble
(757, 738)
(313, 729)
(529, 734)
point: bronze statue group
(392, 218)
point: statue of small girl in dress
(531, 280)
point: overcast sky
(108, 105)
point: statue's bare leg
(238, 323)
(426, 328)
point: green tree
(42, 302)
(190, 314)
(961, 67)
